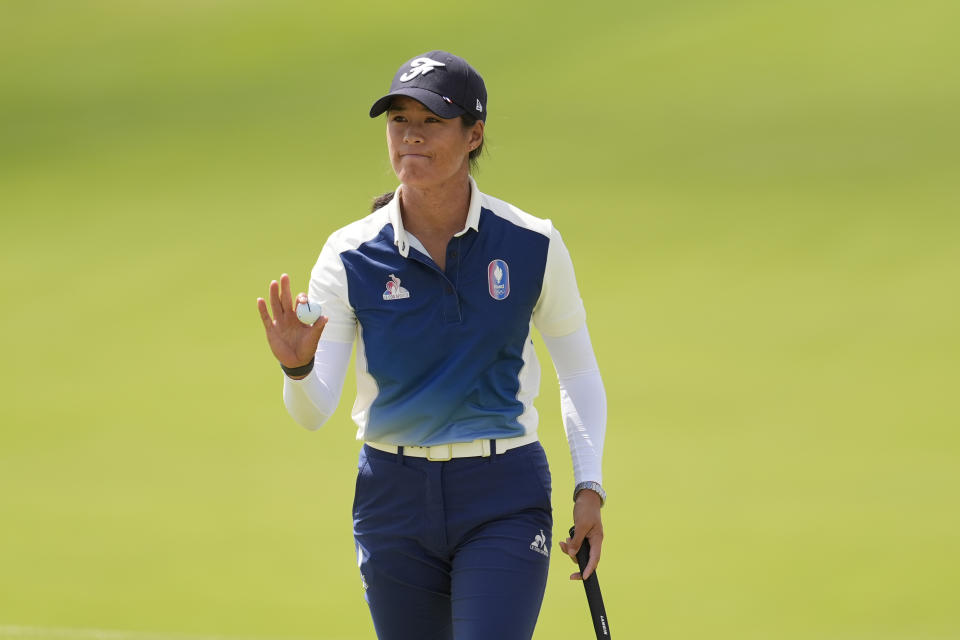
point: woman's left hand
(587, 524)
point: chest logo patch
(394, 290)
(498, 279)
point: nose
(412, 135)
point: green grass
(760, 200)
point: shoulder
(357, 232)
(516, 216)
(348, 238)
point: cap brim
(429, 99)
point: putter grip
(598, 613)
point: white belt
(443, 452)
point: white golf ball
(308, 312)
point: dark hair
(467, 120)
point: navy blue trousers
(457, 549)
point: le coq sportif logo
(420, 67)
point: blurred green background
(761, 201)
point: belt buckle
(449, 450)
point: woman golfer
(439, 288)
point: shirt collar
(400, 238)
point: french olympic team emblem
(498, 279)
(394, 290)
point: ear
(475, 137)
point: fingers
(592, 561)
(566, 548)
(571, 546)
(595, 544)
(574, 543)
(280, 299)
(262, 306)
(587, 524)
(285, 299)
(275, 300)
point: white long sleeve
(312, 400)
(583, 401)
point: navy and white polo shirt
(445, 355)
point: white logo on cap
(420, 67)
(479, 106)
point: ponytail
(381, 201)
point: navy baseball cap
(446, 84)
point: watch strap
(298, 371)
(593, 486)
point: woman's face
(425, 149)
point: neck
(438, 209)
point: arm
(583, 405)
(312, 400)
(583, 402)
(561, 319)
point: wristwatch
(593, 486)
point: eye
(432, 119)
(398, 118)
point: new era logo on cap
(444, 83)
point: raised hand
(292, 342)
